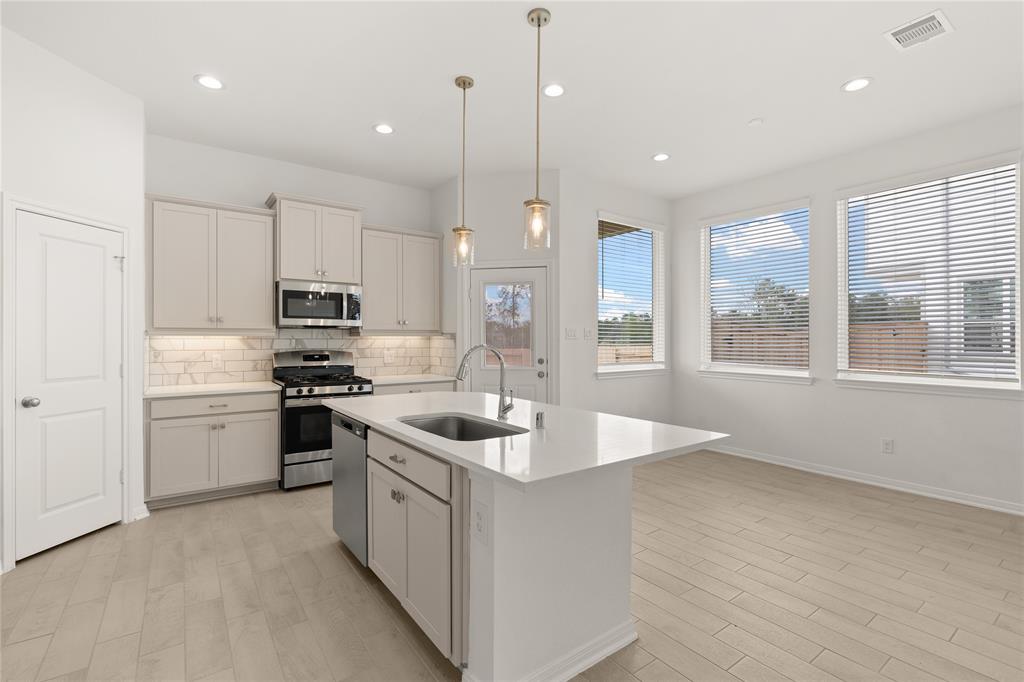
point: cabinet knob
(324, 273)
(220, 318)
(212, 318)
(213, 427)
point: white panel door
(385, 526)
(429, 581)
(341, 245)
(248, 448)
(184, 252)
(245, 271)
(421, 282)
(68, 345)
(182, 455)
(382, 280)
(298, 243)
(509, 310)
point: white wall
(213, 174)
(966, 448)
(580, 199)
(74, 143)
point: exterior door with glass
(509, 310)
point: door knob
(29, 401)
(541, 374)
(540, 361)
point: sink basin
(461, 426)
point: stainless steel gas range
(308, 377)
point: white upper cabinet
(298, 244)
(211, 268)
(245, 265)
(401, 281)
(317, 241)
(184, 267)
(382, 281)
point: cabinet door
(184, 265)
(421, 283)
(298, 242)
(382, 277)
(386, 530)
(248, 448)
(428, 597)
(182, 455)
(341, 245)
(245, 271)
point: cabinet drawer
(414, 388)
(214, 404)
(429, 473)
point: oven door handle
(302, 402)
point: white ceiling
(306, 81)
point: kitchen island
(545, 524)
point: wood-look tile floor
(741, 570)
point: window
(508, 323)
(756, 307)
(630, 297)
(931, 280)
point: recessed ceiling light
(856, 84)
(755, 122)
(661, 156)
(209, 82)
(383, 129)
(554, 90)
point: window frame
(967, 386)
(659, 298)
(752, 372)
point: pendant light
(462, 242)
(537, 232)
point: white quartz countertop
(183, 390)
(573, 441)
(398, 379)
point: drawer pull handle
(221, 405)
(396, 459)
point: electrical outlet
(217, 360)
(888, 446)
(570, 333)
(389, 356)
(479, 521)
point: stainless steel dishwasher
(348, 450)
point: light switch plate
(588, 333)
(570, 333)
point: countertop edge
(399, 379)
(192, 390)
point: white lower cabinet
(192, 454)
(410, 549)
(182, 455)
(392, 389)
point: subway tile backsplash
(173, 360)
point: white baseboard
(880, 481)
(139, 513)
(587, 655)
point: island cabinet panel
(428, 597)
(410, 536)
(386, 520)
(248, 448)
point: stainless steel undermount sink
(462, 427)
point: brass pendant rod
(462, 217)
(537, 169)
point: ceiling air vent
(918, 31)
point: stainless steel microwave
(318, 304)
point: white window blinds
(756, 306)
(931, 279)
(630, 296)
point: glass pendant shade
(537, 232)
(462, 246)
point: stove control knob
(361, 387)
(298, 391)
(351, 388)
